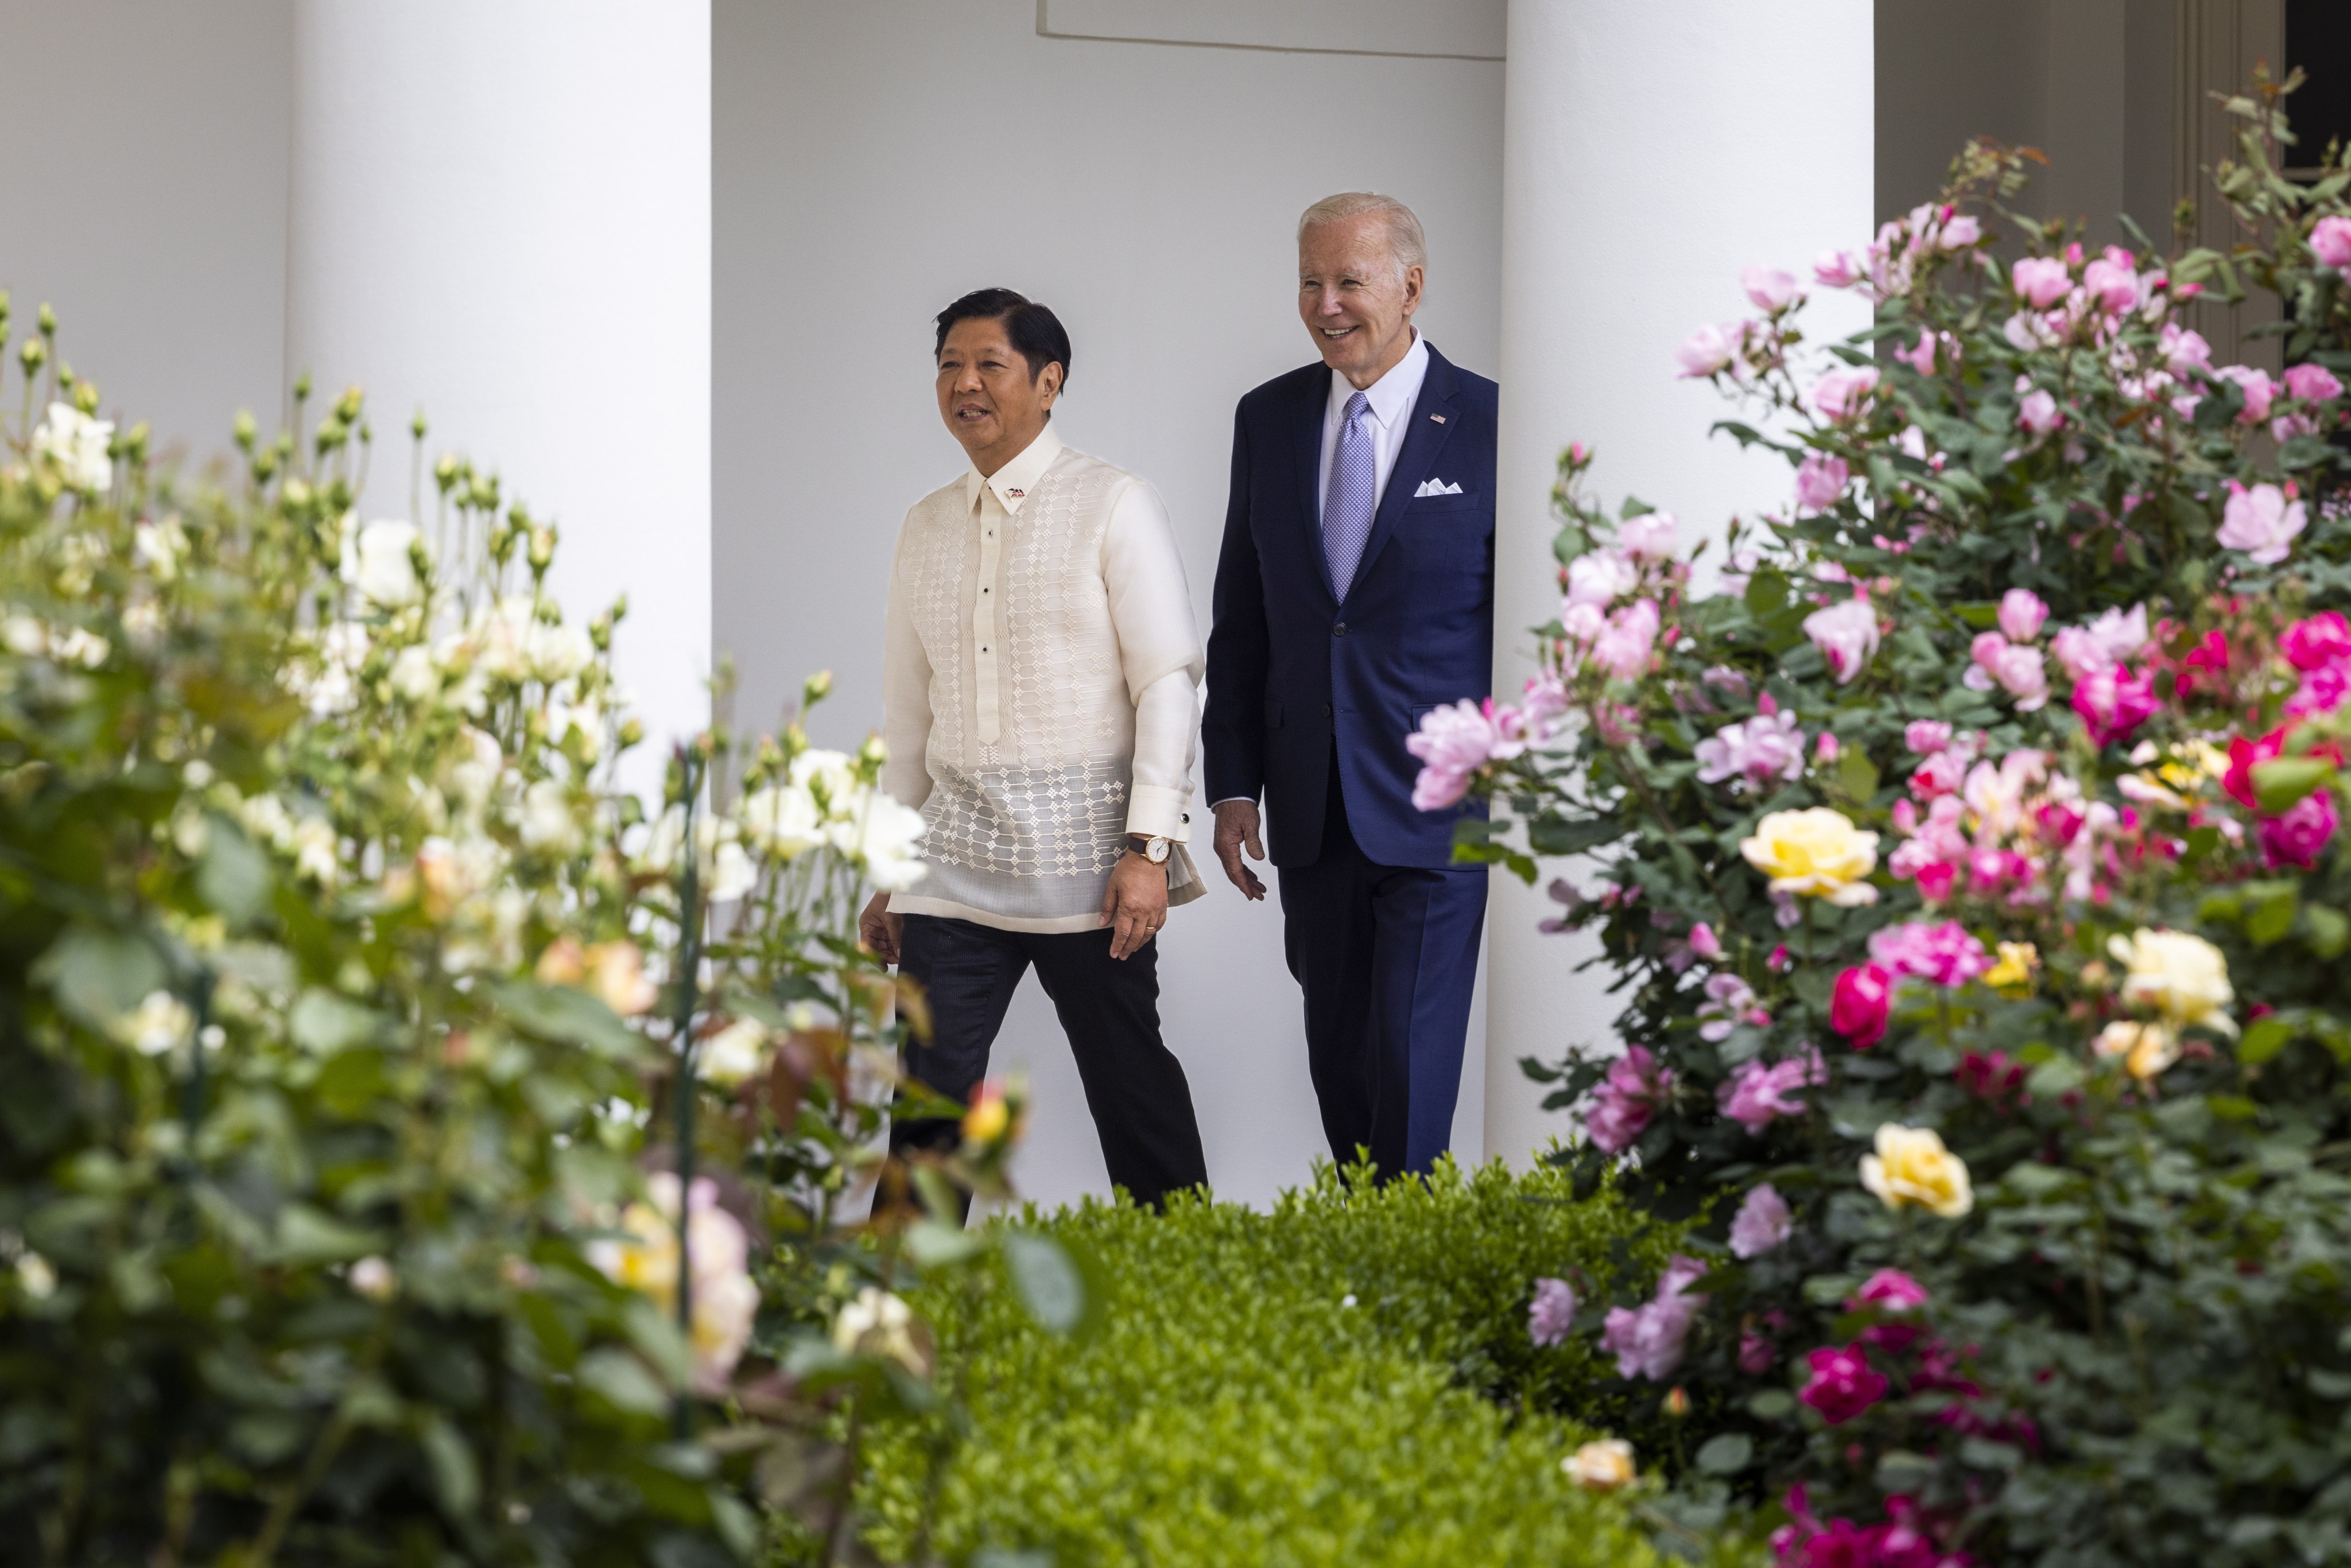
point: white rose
(547, 820)
(414, 675)
(735, 1052)
(781, 820)
(881, 837)
(557, 652)
(77, 444)
(828, 776)
(383, 563)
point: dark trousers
(1110, 1009)
(1387, 956)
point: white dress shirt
(1391, 398)
(1040, 671)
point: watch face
(1157, 850)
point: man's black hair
(1036, 333)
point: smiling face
(1354, 299)
(988, 399)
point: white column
(1650, 152)
(500, 214)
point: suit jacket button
(1326, 710)
(1340, 630)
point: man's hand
(1134, 905)
(880, 930)
(1235, 826)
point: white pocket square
(1436, 487)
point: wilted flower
(1912, 1166)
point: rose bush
(1968, 846)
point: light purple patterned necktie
(1347, 505)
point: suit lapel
(1308, 446)
(1423, 441)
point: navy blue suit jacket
(1292, 668)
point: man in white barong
(1040, 683)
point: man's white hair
(1405, 242)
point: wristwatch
(1153, 849)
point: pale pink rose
(1758, 1095)
(1920, 357)
(2114, 284)
(1602, 577)
(2261, 521)
(1924, 735)
(1649, 537)
(1767, 746)
(1627, 1099)
(1959, 233)
(1624, 644)
(2037, 412)
(1944, 955)
(1551, 1312)
(2184, 350)
(2041, 280)
(1729, 1002)
(1768, 288)
(1820, 480)
(2313, 383)
(1705, 943)
(2258, 390)
(1582, 622)
(1842, 394)
(1452, 743)
(1648, 1341)
(2113, 637)
(2330, 241)
(1762, 1223)
(2021, 614)
(1838, 269)
(1846, 635)
(1704, 352)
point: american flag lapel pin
(1437, 417)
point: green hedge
(1347, 1379)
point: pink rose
(1819, 481)
(1627, 1099)
(1846, 635)
(1705, 943)
(1945, 954)
(1649, 537)
(2020, 672)
(2041, 280)
(1888, 1289)
(1762, 1223)
(2317, 641)
(1842, 1386)
(1624, 644)
(2114, 285)
(2299, 837)
(2021, 614)
(1452, 743)
(2038, 413)
(2330, 241)
(2183, 350)
(1843, 394)
(1920, 357)
(1838, 269)
(2111, 703)
(1860, 1003)
(2258, 390)
(1704, 352)
(1648, 1341)
(1551, 1312)
(1926, 735)
(2313, 383)
(1767, 746)
(1758, 1095)
(1768, 288)
(1602, 577)
(2261, 521)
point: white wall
(144, 196)
(874, 160)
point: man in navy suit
(1354, 593)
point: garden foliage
(1345, 1380)
(1969, 852)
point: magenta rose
(2299, 837)
(2316, 641)
(1842, 1386)
(2113, 702)
(1860, 1004)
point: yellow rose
(1602, 1466)
(2146, 1049)
(2182, 977)
(1911, 1166)
(1817, 853)
(2012, 976)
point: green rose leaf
(2281, 781)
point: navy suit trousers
(1387, 956)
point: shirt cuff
(1158, 812)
